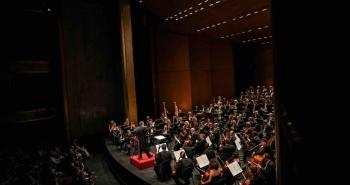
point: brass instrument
(165, 112)
(176, 109)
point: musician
(114, 132)
(200, 144)
(209, 151)
(162, 164)
(226, 150)
(187, 146)
(126, 142)
(127, 122)
(183, 169)
(213, 174)
(269, 169)
(141, 132)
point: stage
(121, 167)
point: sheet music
(238, 145)
(160, 137)
(202, 161)
(177, 154)
(208, 140)
(159, 147)
(234, 168)
(237, 138)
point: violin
(205, 176)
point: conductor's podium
(143, 163)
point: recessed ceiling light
(254, 39)
(208, 27)
(259, 38)
(218, 24)
(267, 42)
(222, 37)
(180, 13)
(243, 32)
(265, 37)
(170, 17)
(256, 12)
(196, 11)
(226, 36)
(201, 8)
(140, 1)
(181, 17)
(234, 18)
(244, 41)
(259, 28)
(240, 17)
(175, 15)
(176, 19)
(198, 30)
(218, 2)
(199, 4)
(211, 4)
(185, 10)
(264, 9)
(266, 26)
(224, 22)
(206, 1)
(186, 15)
(213, 25)
(166, 19)
(248, 14)
(248, 40)
(190, 13)
(190, 8)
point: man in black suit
(162, 164)
(184, 168)
(140, 132)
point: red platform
(143, 163)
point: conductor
(140, 132)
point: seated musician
(187, 146)
(162, 164)
(226, 150)
(214, 174)
(183, 169)
(126, 142)
(209, 151)
(166, 133)
(269, 169)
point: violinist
(114, 132)
(213, 174)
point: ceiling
(244, 21)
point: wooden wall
(221, 57)
(201, 77)
(264, 65)
(191, 70)
(173, 70)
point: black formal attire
(140, 132)
(162, 167)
